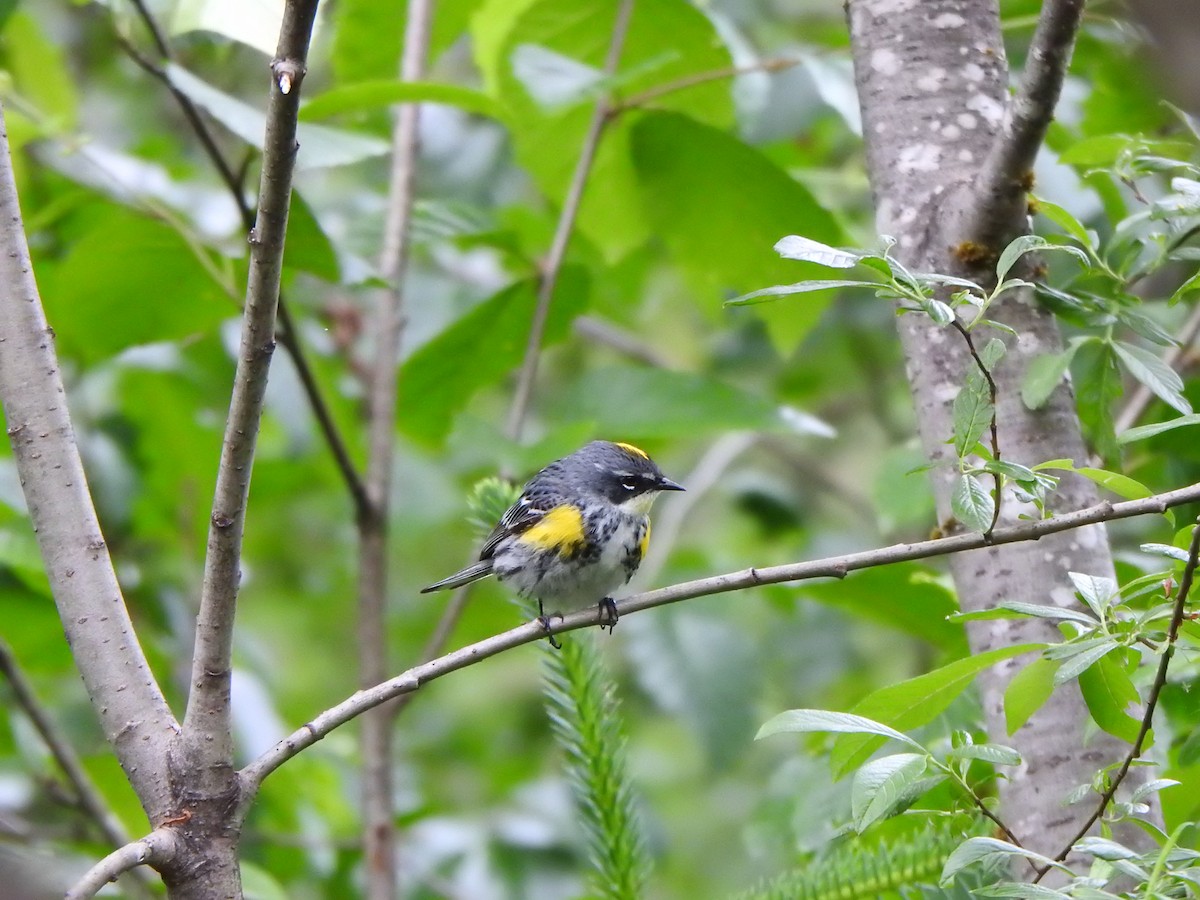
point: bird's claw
(608, 614)
(544, 621)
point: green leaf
(685, 171)
(972, 504)
(1067, 222)
(1021, 891)
(1096, 591)
(1109, 694)
(973, 413)
(109, 292)
(308, 248)
(1103, 848)
(1142, 432)
(640, 402)
(1073, 666)
(1121, 485)
(1017, 248)
(369, 95)
(993, 351)
(881, 784)
(1150, 370)
(477, 350)
(37, 66)
(1044, 374)
(997, 754)
(1188, 287)
(807, 250)
(905, 596)
(803, 287)
(804, 721)
(1098, 386)
(667, 40)
(1060, 613)
(320, 145)
(915, 702)
(988, 850)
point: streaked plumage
(578, 531)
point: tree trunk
(933, 86)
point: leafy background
(790, 421)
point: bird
(578, 531)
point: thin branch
(207, 726)
(234, 181)
(137, 722)
(832, 567)
(89, 800)
(1142, 397)
(437, 641)
(1160, 680)
(378, 802)
(566, 225)
(999, 184)
(155, 849)
(689, 81)
(605, 333)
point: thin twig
(378, 802)
(566, 225)
(993, 395)
(832, 567)
(605, 333)
(234, 181)
(1160, 680)
(155, 849)
(436, 643)
(207, 726)
(689, 81)
(999, 184)
(89, 800)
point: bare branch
(234, 181)
(831, 567)
(89, 800)
(689, 81)
(566, 225)
(136, 720)
(155, 849)
(1160, 680)
(1002, 182)
(207, 727)
(377, 791)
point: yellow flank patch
(561, 528)
(645, 542)
(636, 451)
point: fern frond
(854, 872)
(583, 710)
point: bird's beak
(666, 484)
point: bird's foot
(608, 614)
(544, 621)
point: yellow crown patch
(636, 451)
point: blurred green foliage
(141, 260)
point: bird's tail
(471, 573)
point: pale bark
(948, 153)
(135, 717)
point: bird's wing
(519, 517)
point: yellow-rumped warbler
(578, 531)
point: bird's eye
(628, 484)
